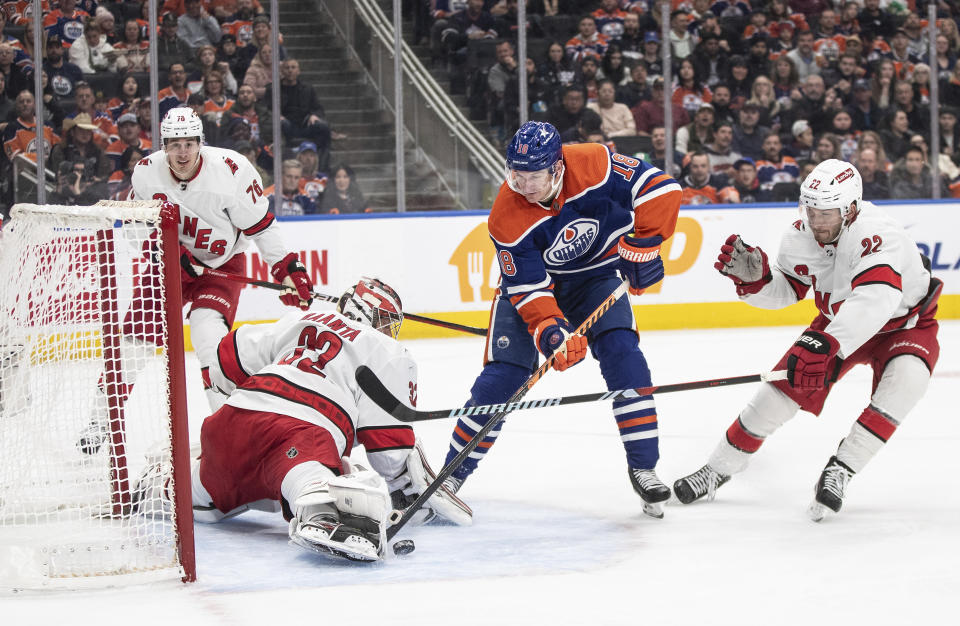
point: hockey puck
(404, 547)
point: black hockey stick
(209, 271)
(498, 417)
(373, 387)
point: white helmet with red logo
(833, 184)
(181, 122)
(373, 302)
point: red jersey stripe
(878, 275)
(260, 226)
(380, 438)
(228, 356)
(276, 386)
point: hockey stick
(209, 271)
(373, 387)
(444, 473)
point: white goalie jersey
(870, 280)
(223, 200)
(304, 365)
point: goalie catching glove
(812, 362)
(747, 266)
(555, 336)
(640, 261)
(443, 505)
(292, 274)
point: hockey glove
(189, 267)
(746, 266)
(554, 336)
(640, 261)
(812, 362)
(291, 273)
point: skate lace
(835, 480)
(647, 478)
(453, 484)
(704, 481)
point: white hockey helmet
(373, 302)
(833, 184)
(181, 122)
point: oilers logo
(574, 240)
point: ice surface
(559, 537)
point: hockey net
(91, 398)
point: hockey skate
(828, 495)
(325, 534)
(703, 482)
(651, 489)
(97, 431)
(453, 484)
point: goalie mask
(833, 184)
(534, 165)
(179, 123)
(373, 302)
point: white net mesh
(85, 427)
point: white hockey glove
(747, 266)
(443, 504)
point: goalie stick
(209, 271)
(444, 473)
(373, 387)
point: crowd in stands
(213, 55)
(761, 89)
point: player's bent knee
(497, 382)
(768, 410)
(904, 382)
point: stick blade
(371, 385)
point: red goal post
(91, 335)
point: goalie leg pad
(443, 503)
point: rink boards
(443, 265)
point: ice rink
(559, 537)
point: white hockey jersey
(304, 365)
(870, 280)
(223, 200)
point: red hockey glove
(555, 336)
(188, 266)
(745, 265)
(812, 362)
(291, 273)
(640, 261)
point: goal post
(94, 441)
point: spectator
(589, 129)
(86, 103)
(847, 23)
(7, 108)
(259, 74)
(775, 167)
(681, 41)
(946, 58)
(649, 113)
(312, 181)
(171, 48)
(215, 101)
(589, 71)
(227, 52)
(62, 74)
(710, 61)
(248, 150)
(900, 54)
(722, 109)
(949, 133)
(256, 114)
(698, 133)
(758, 61)
(921, 84)
(119, 184)
(896, 137)
(690, 93)
(538, 97)
(844, 76)
(206, 63)
(739, 80)
(871, 140)
(658, 155)
(722, 156)
(144, 116)
(294, 202)
(802, 147)
(236, 129)
(828, 147)
(617, 119)
(612, 67)
(107, 23)
(804, 58)
(239, 25)
(572, 107)
(699, 186)
(786, 83)
(911, 178)
(904, 100)
(748, 135)
(816, 105)
(651, 53)
(745, 187)
(874, 21)
(588, 42)
(631, 40)
(67, 22)
(557, 72)
(82, 168)
(610, 19)
(176, 93)
(345, 197)
(261, 37)
(197, 27)
(303, 115)
(501, 73)
(762, 95)
(864, 113)
(846, 138)
(211, 132)
(128, 98)
(882, 83)
(134, 47)
(635, 89)
(128, 127)
(91, 53)
(875, 183)
(15, 76)
(471, 23)
(20, 135)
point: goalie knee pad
(443, 504)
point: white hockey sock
(199, 494)
(207, 328)
(767, 411)
(299, 477)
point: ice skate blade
(818, 512)
(653, 509)
(325, 547)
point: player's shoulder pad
(512, 217)
(587, 165)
